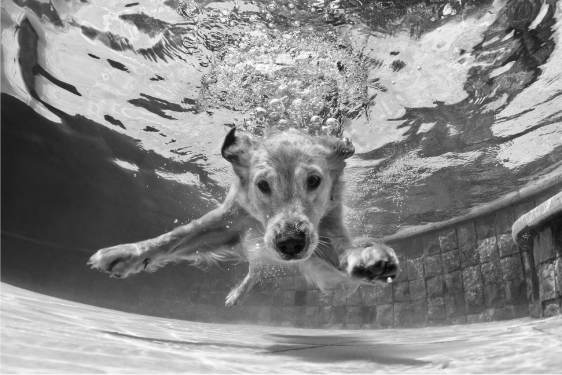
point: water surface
(450, 104)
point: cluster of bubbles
(300, 79)
(283, 66)
(276, 117)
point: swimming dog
(284, 206)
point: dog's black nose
(291, 244)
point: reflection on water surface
(450, 104)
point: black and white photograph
(281, 187)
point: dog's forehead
(290, 150)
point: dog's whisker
(321, 254)
(326, 240)
(322, 246)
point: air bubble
(277, 105)
(260, 112)
(297, 103)
(332, 122)
(208, 79)
(316, 120)
(281, 88)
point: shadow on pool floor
(315, 348)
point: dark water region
(450, 104)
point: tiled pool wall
(467, 273)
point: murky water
(450, 104)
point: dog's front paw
(234, 297)
(371, 264)
(119, 261)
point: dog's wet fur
(284, 206)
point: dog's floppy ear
(236, 149)
(342, 149)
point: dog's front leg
(218, 228)
(237, 295)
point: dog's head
(289, 182)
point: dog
(284, 207)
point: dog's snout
(291, 244)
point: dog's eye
(264, 186)
(313, 182)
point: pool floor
(42, 334)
